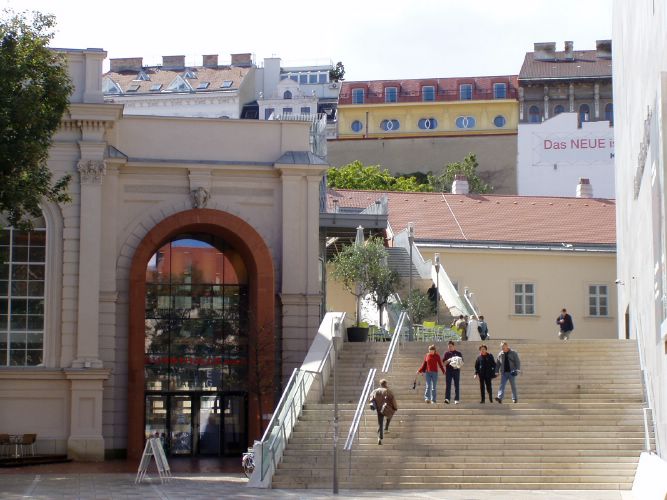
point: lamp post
(436, 259)
(411, 239)
(335, 422)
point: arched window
(287, 94)
(558, 110)
(584, 113)
(609, 113)
(534, 115)
(22, 295)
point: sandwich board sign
(153, 448)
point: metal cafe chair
(5, 444)
(28, 441)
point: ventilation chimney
(173, 62)
(126, 64)
(569, 50)
(210, 61)
(460, 184)
(603, 48)
(584, 188)
(545, 51)
(242, 60)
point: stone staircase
(578, 424)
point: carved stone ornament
(200, 197)
(91, 171)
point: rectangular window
(268, 112)
(312, 78)
(305, 110)
(303, 78)
(500, 91)
(357, 96)
(390, 94)
(524, 298)
(323, 77)
(428, 93)
(465, 92)
(598, 300)
(287, 111)
(22, 296)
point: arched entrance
(201, 302)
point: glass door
(209, 425)
(180, 432)
(235, 433)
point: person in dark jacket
(485, 370)
(565, 324)
(383, 399)
(429, 368)
(508, 365)
(453, 373)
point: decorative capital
(200, 197)
(92, 171)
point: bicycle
(248, 462)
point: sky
(392, 39)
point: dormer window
(227, 84)
(287, 94)
(203, 85)
(178, 84)
(156, 87)
(190, 74)
(390, 94)
(133, 88)
(111, 87)
(465, 92)
(142, 77)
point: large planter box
(357, 334)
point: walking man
(509, 366)
(453, 372)
(385, 406)
(485, 370)
(429, 368)
(482, 328)
(565, 324)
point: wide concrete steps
(578, 424)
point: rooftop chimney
(584, 188)
(126, 64)
(210, 61)
(242, 60)
(545, 51)
(603, 48)
(569, 50)
(460, 184)
(173, 62)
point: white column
(91, 173)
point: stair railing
(361, 406)
(300, 388)
(646, 389)
(395, 341)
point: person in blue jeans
(453, 373)
(509, 367)
(429, 368)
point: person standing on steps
(482, 328)
(453, 372)
(485, 370)
(429, 368)
(565, 324)
(385, 406)
(508, 365)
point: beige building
(521, 258)
(158, 301)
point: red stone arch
(261, 285)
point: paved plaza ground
(211, 479)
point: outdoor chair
(28, 441)
(5, 444)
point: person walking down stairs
(509, 366)
(453, 366)
(429, 368)
(385, 405)
(485, 370)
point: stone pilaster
(571, 96)
(546, 102)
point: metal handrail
(360, 409)
(646, 390)
(394, 342)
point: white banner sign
(573, 148)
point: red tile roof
(584, 64)
(493, 218)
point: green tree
(467, 167)
(337, 73)
(417, 305)
(34, 94)
(356, 175)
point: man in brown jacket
(385, 406)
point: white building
(640, 94)
(555, 153)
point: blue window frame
(357, 126)
(500, 91)
(390, 94)
(303, 78)
(584, 113)
(558, 110)
(465, 92)
(499, 121)
(428, 93)
(322, 77)
(287, 94)
(534, 115)
(428, 124)
(357, 96)
(390, 125)
(305, 110)
(609, 113)
(465, 122)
